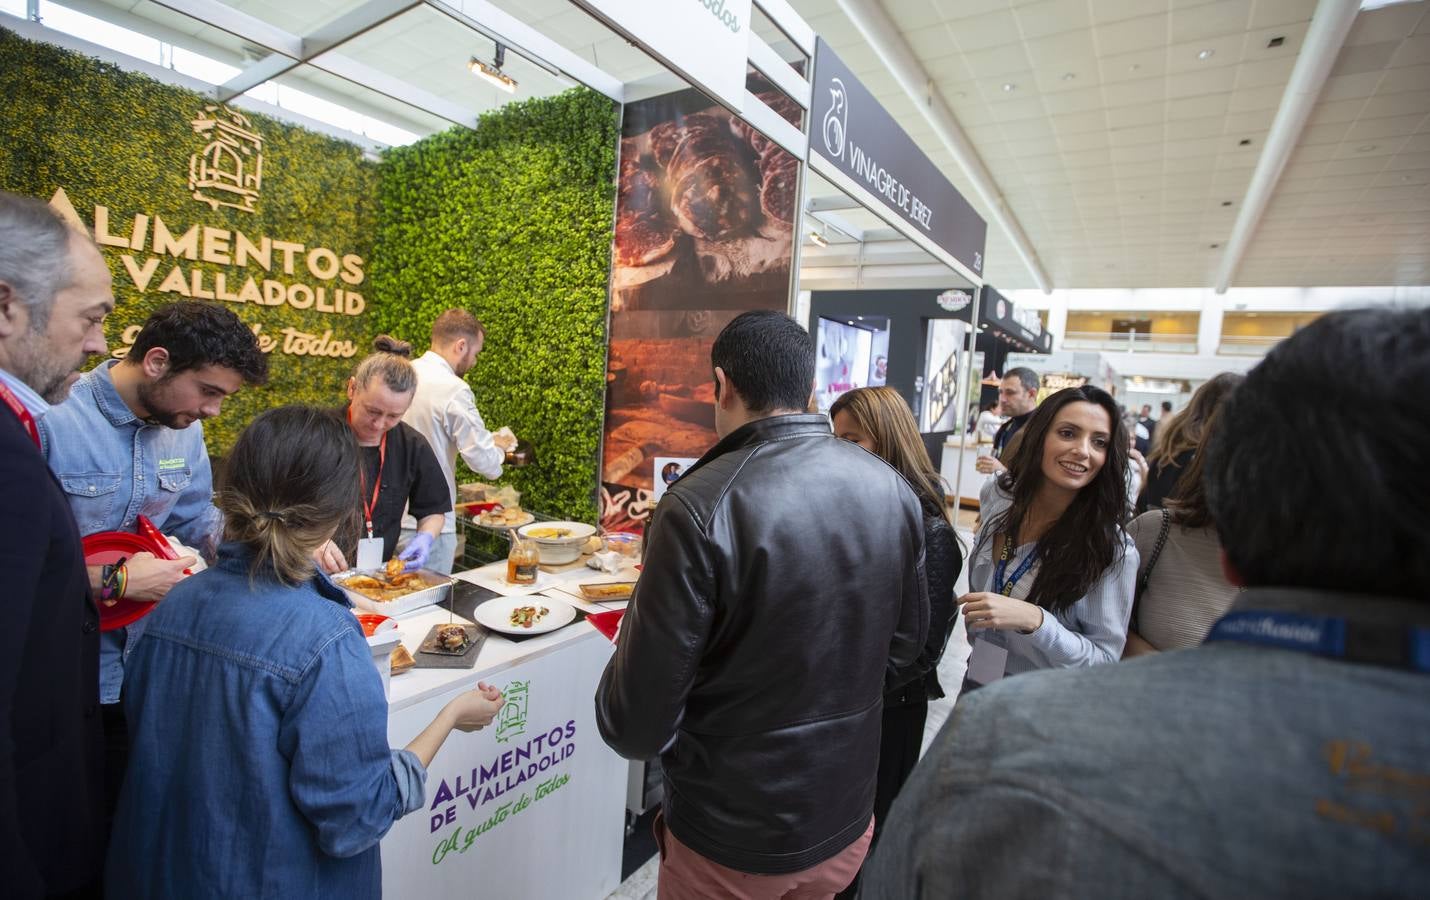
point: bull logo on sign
(836, 121)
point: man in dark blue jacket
(54, 296)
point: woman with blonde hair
(879, 420)
(260, 764)
(1177, 439)
(1181, 591)
(398, 471)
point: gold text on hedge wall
(323, 280)
(228, 172)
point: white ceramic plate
(496, 614)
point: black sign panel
(996, 312)
(850, 129)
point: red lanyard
(369, 505)
(21, 413)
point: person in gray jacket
(784, 576)
(1289, 755)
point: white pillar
(1058, 317)
(1209, 325)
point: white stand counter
(533, 805)
(973, 480)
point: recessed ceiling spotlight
(1133, 68)
(1226, 203)
(1068, 76)
(818, 240)
(1276, 42)
(1009, 86)
(1215, 246)
(1244, 142)
(1365, 148)
(1206, 54)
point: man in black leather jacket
(784, 576)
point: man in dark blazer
(54, 295)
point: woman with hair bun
(398, 469)
(259, 761)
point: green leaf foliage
(513, 221)
(122, 140)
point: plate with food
(558, 542)
(503, 517)
(451, 646)
(525, 615)
(608, 592)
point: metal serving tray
(438, 589)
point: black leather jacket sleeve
(913, 624)
(942, 564)
(642, 695)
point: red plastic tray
(108, 547)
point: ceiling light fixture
(493, 73)
(1226, 203)
(1244, 142)
(1365, 148)
(1206, 54)
(1069, 76)
(1275, 42)
(818, 239)
(1009, 86)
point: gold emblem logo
(228, 171)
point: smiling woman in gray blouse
(1052, 569)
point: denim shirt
(114, 468)
(259, 761)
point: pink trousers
(686, 875)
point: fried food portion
(364, 583)
(394, 568)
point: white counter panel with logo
(531, 806)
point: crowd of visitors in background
(781, 649)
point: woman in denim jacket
(259, 762)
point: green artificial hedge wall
(123, 140)
(513, 221)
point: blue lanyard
(1003, 587)
(1334, 637)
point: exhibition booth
(563, 194)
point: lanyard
(999, 585)
(21, 413)
(368, 506)
(1334, 637)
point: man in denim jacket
(128, 442)
(1289, 755)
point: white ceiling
(1118, 147)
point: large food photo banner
(705, 214)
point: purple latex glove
(417, 552)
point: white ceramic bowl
(557, 551)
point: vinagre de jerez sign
(859, 137)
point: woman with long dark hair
(260, 764)
(1178, 438)
(1053, 567)
(879, 420)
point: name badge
(987, 663)
(369, 554)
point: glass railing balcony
(1248, 344)
(1130, 342)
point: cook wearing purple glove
(416, 553)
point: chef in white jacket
(444, 411)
